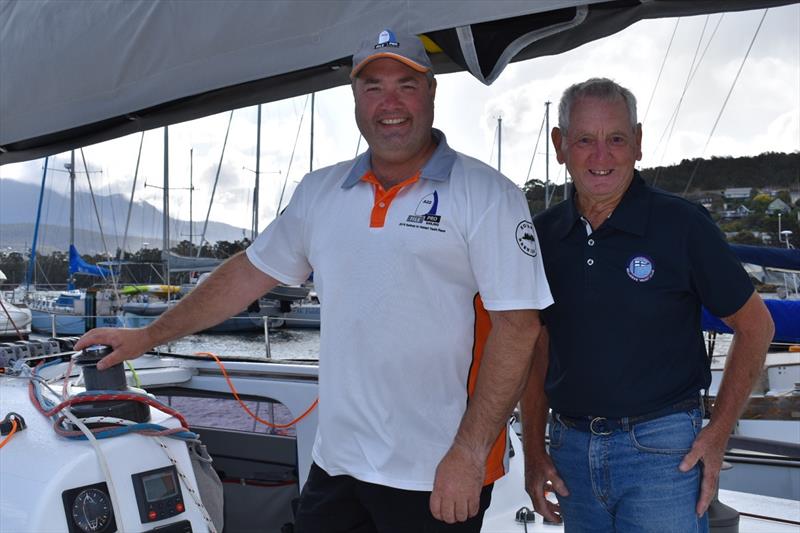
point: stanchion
(266, 337)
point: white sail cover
(77, 72)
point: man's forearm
(228, 290)
(502, 375)
(753, 331)
(533, 403)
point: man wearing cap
(429, 277)
(630, 266)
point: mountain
(770, 169)
(18, 202)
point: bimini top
(783, 258)
(81, 72)
(785, 315)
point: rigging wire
(674, 118)
(494, 142)
(113, 214)
(100, 226)
(725, 102)
(358, 145)
(130, 202)
(291, 158)
(536, 146)
(213, 190)
(670, 127)
(661, 70)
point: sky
(762, 114)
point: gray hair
(602, 88)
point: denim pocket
(556, 433)
(671, 434)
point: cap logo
(640, 269)
(386, 38)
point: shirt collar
(631, 215)
(437, 168)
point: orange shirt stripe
(383, 198)
(495, 462)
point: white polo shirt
(403, 278)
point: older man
(629, 267)
(427, 268)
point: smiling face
(600, 148)
(394, 112)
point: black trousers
(343, 504)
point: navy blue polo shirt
(625, 335)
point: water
(284, 344)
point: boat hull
(69, 324)
(14, 321)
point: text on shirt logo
(525, 238)
(640, 268)
(425, 216)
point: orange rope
(13, 430)
(247, 410)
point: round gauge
(91, 510)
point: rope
(14, 427)
(247, 409)
(192, 492)
(101, 458)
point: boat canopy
(785, 315)
(77, 265)
(182, 263)
(782, 258)
(81, 72)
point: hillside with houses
(754, 200)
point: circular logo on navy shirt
(640, 268)
(525, 239)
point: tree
(760, 202)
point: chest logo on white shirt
(525, 238)
(425, 216)
(641, 268)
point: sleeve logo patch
(525, 238)
(641, 268)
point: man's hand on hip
(539, 474)
(708, 447)
(457, 485)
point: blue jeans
(628, 480)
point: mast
(256, 192)
(191, 190)
(72, 198)
(499, 142)
(547, 155)
(311, 157)
(71, 280)
(32, 262)
(165, 208)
